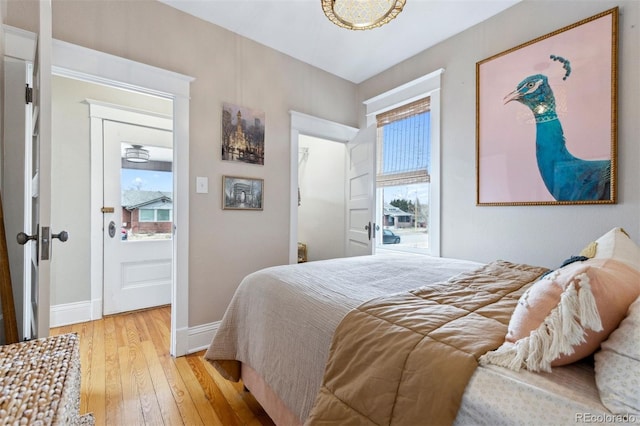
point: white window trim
(427, 85)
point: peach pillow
(564, 316)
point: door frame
(320, 128)
(81, 63)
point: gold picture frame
(540, 139)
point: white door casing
(137, 274)
(361, 227)
(78, 62)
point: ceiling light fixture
(136, 154)
(361, 14)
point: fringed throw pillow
(564, 316)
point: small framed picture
(242, 193)
(242, 134)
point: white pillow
(617, 366)
(615, 244)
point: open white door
(37, 234)
(17, 134)
(361, 176)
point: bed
(294, 335)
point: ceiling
(299, 29)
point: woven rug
(86, 420)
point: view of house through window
(402, 181)
(147, 196)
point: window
(428, 85)
(147, 215)
(402, 179)
(163, 215)
(155, 215)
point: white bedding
(281, 319)
(498, 396)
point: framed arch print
(242, 193)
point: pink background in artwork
(508, 171)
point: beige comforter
(405, 359)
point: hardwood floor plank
(132, 406)
(168, 407)
(186, 407)
(85, 334)
(129, 378)
(95, 387)
(148, 398)
(207, 412)
(113, 385)
(242, 402)
(212, 391)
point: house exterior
(147, 212)
(394, 217)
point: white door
(138, 227)
(14, 180)
(361, 229)
(37, 234)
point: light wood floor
(129, 378)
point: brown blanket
(406, 359)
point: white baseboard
(70, 313)
(200, 336)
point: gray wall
(541, 235)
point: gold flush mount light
(361, 14)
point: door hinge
(28, 94)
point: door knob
(62, 236)
(112, 229)
(369, 229)
(24, 238)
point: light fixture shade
(361, 14)
(136, 154)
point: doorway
(82, 172)
(89, 65)
(304, 125)
(68, 60)
(321, 197)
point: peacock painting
(567, 177)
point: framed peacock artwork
(546, 118)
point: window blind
(403, 144)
